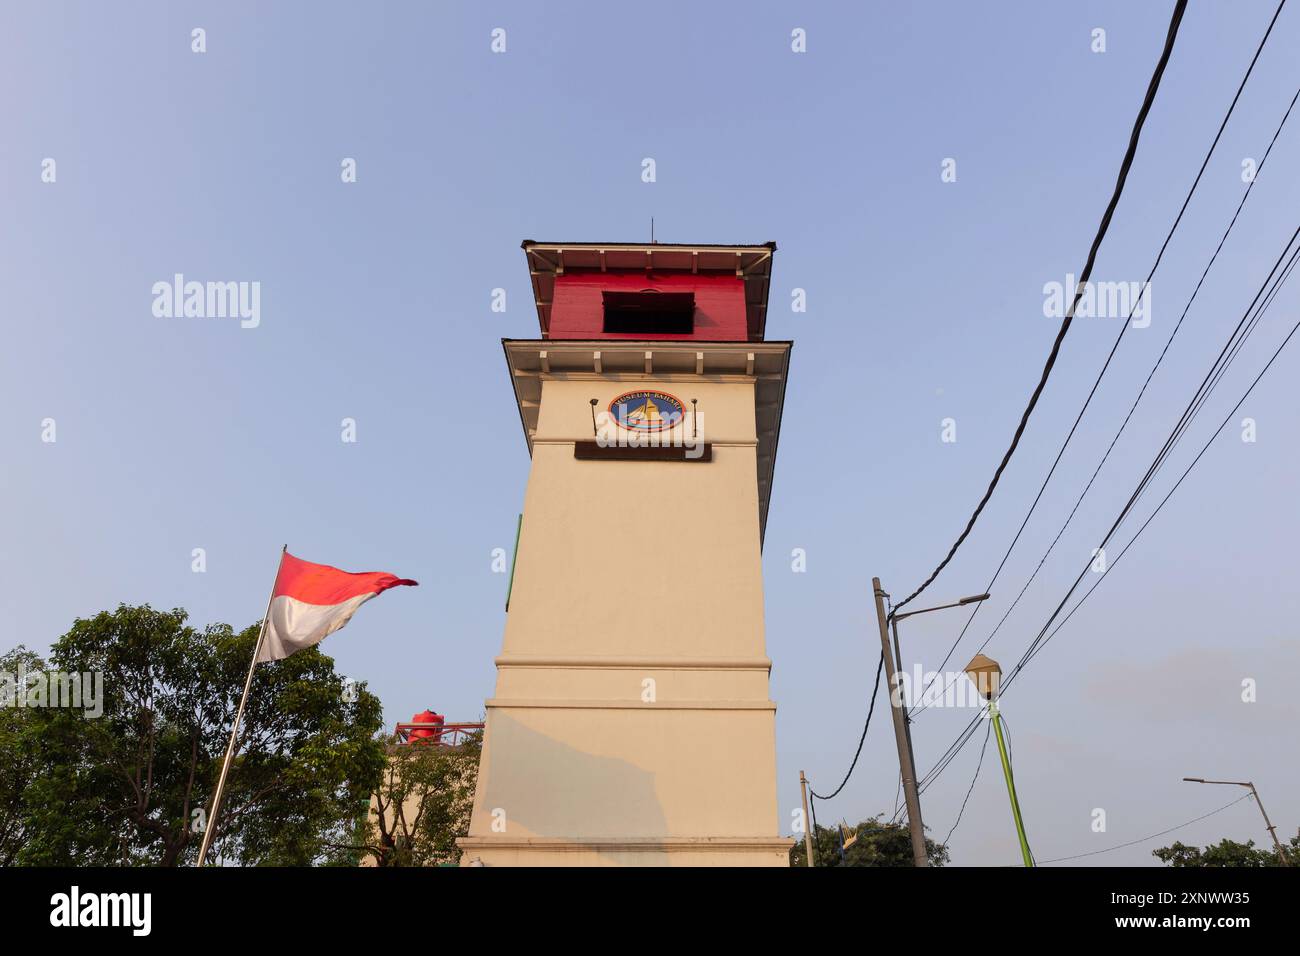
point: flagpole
(211, 828)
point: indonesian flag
(312, 601)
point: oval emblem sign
(647, 411)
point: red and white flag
(312, 601)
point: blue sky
(925, 302)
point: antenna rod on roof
(652, 229)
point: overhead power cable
(1179, 8)
(1250, 319)
(1034, 651)
(1120, 846)
(815, 796)
(1236, 338)
(1136, 401)
(971, 788)
(1212, 379)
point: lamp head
(986, 675)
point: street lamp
(973, 599)
(1268, 824)
(898, 710)
(986, 675)
(898, 656)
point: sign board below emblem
(595, 451)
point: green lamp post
(986, 673)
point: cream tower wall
(631, 722)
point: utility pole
(1272, 830)
(907, 718)
(996, 717)
(1268, 824)
(905, 763)
(807, 822)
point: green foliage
(422, 804)
(18, 758)
(879, 843)
(1225, 853)
(132, 786)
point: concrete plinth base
(678, 851)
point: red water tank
(420, 734)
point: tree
(1224, 853)
(132, 785)
(18, 758)
(422, 803)
(878, 844)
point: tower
(631, 722)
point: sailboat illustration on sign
(647, 416)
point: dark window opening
(650, 312)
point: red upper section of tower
(649, 292)
(706, 307)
